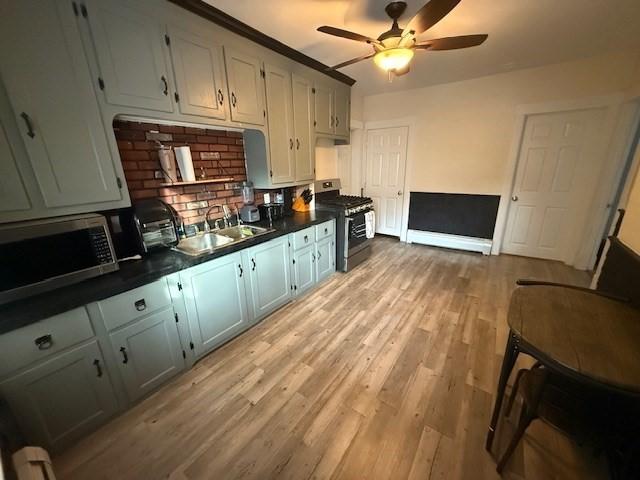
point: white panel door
(130, 50)
(246, 88)
(558, 168)
(50, 89)
(199, 70)
(384, 182)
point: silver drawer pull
(306, 238)
(44, 342)
(140, 305)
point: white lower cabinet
(63, 398)
(215, 301)
(304, 269)
(313, 256)
(60, 385)
(269, 276)
(148, 352)
(325, 259)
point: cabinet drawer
(39, 340)
(304, 238)
(123, 308)
(324, 230)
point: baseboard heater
(453, 220)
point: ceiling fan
(394, 49)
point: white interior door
(384, 181)
(559, 164)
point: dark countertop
(135, 274)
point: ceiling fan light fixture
(393, 58)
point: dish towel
(370, 223)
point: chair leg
(514, 392)
(525, 420)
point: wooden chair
(547, 397)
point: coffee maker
(249, 212)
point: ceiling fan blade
(352, 61)
(452, 43)
(403, 71)
(430, 14)
(338, 32)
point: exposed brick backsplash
(219, 152)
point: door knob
(514, 198)
(399, 192)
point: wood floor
(387, 372)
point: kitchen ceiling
(522, 34)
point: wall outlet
(196, 205)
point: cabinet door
(62, 399)
(280, 118)
(50, 88)
(304, 269)
(303, 128)
(269, 276)
(246, 90)
(325, 259)
(13, 195)
(130, 49)
(324, 109)
(197, 65)
(215, 301)
(342, 112)
(149, 352)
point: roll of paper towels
(185, 164)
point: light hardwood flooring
(387, 372)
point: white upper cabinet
(199, 74)
(246, 90)
(130, 49)
(342, 112)
(13, 195)
(49, 85)
(332, 111)
(280, 121)
(324, 121)
(303, 128)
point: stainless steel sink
(208, 242)
(241, 232)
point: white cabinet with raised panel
(324, 105)
(199, 74)
(50, 89)
(13, 195)
(281, 126)
(148, 352)
(63, 398)
(332, 111)
(246, 89)
(130, 49)
(302, 90)
(342, 112)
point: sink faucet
(226, 217)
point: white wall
(464, 130)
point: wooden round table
(574, 332)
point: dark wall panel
(454, 213)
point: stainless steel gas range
(352, 245)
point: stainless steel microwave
(41, 255)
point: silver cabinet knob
(514, 198)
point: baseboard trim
(445, 240)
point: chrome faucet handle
(215, 223)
